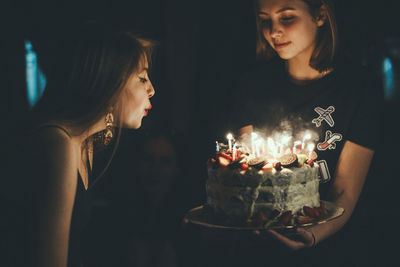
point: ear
(322, 17)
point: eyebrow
(279, 11)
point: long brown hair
(89, 76)
(323, 55)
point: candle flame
(272, 147)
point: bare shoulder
(52, 133)
(54, 140)
(57, 148)
(48, 160)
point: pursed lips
(146, 110)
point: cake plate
(205, 217)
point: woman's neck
(301, 72)
(79, 134)
(95, 128)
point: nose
(151, 90)
(276, 31)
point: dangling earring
(109, 134)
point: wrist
(314, 240)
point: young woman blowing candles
(103, 84)
(297, 82)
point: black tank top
(80, 217)
(16, 220)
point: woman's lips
(146, 111)
(281, 45)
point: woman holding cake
(304, 82)
(102, 84)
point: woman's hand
(299, 239)
(351, 171)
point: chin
(133, 125)
(136, 126)
(285, 56)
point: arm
(351, 171)
(51, 209)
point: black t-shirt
(343, 105)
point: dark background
(203, 48)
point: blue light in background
(388, 79)
(35, 79)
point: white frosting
(239, 194)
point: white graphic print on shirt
(324, 115)
(323, 171)
(330, 141)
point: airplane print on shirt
(324, 115)
(330, 138)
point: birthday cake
(264, 187)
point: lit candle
(258, 147)
(284, 142)
(216, 146)
(296, 143)
(263, 148)
(310, 149)
(305, 138)
(253, 142)
(271, 147)
(230, 137)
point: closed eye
(142, 80)
(287, 18)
